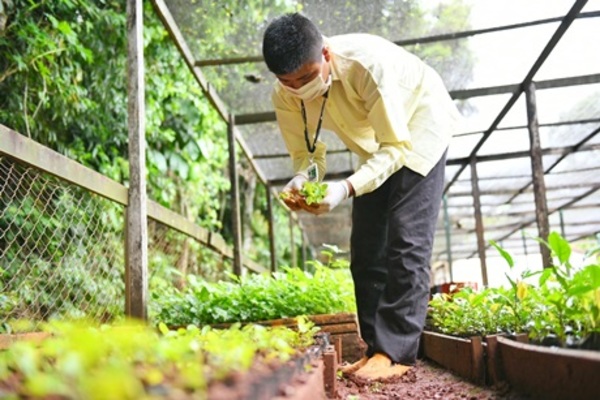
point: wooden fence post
(136, 243)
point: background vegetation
(62, 79)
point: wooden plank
(271, 225)
(477, 361)
(329, 374)
(353, 348)
(7, 340)
(339, 328)
(136, 243)
(176, 221)
(217, 243)
(550, 372)
(236, 219)
(49, 161)
(479, 222)
(323, 320)
(254, 266)
(493, 368)
(326, 319)
(537, 170)
(462, 356)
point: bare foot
(380, 366)
(352, 368)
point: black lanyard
(312, 147)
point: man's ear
(326, 53)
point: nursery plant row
(134, 361)
(287, 293)
(542, 334)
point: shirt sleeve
(291, 126)
(388, 103)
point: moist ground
(425, 381)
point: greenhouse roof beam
(410, 42)
(550, 212)
(269, 116)
(566, 22)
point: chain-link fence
(173, 255)
(61, 249)
(62, 252)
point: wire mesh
(173, 255)
(61, 249)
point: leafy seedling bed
(135, 361)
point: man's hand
(336, 193)
(293, 199)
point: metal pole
(478, 222)
(448, 241)
(235, 199)
(537, 169)
(136, 241)
(562, 223)
(524, 241)
(272, 248)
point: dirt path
(425, 381)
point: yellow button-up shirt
(385, 105)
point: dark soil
(424, 381)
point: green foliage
(132, 361)
(187, 153)
(62, 75)
(469, 313)
(284, 195)
(62, 79)
(313, 192)
(289, 293)
(565, 304)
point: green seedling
(284, 195)
(313, 192)
(289, 292)
(130, 360)
(562, 308)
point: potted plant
(562, 310)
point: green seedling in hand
(284, 195)
(313, 192)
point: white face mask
(313, 89)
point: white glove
(336, 193)
(296, 183)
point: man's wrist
(349, 188)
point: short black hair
(291, 41)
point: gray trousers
(391, 245)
